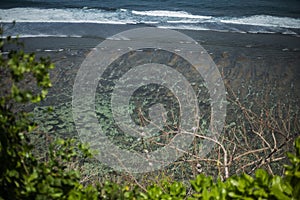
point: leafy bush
(292, 172)
(21, 175)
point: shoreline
(264, 62)
(279, 42)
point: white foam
(43, 35)
(289, 32)
(185, 27)
(167, 13)
(124, 16)
(262, 31)
(120, 37)
(265, 20)
(62, 15)
(159, 18)
(149, 22)
(183, 21)
(51, 50)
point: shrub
(21, 175)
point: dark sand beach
(263, 61)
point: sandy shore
(261, 61)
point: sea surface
(50, 17)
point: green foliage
(292, 172)
(262, 186)
(22, 176)
(110, 190)
(166, 191)
(205, 188)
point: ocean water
(36, 17)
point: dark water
(236, 8)
(225, 16)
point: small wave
(149, 22)
(289, 32)
(53, 50)
(42, 35)
(265, 20)
(262, 31)
(183, 21)
(158, 18)
(166, 13)
(185, 27)
(71, 15)
(125, 16)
